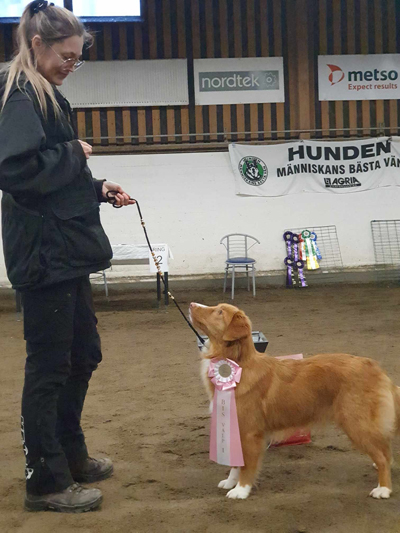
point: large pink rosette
(225, 445)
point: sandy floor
(147, 411)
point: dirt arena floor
(146, 409)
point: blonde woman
(53, 240)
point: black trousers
(63, 349)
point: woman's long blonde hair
(52, 24)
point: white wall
(189, 201)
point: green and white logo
(253, 170)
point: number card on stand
(161, 252)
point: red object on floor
(301, 436)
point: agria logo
(336, 75)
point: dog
(277, 397)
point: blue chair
(237, 247)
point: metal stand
(386, 239)
(331, 265)
(166, 289)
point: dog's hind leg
(232, 480)
(391, 464)
(378, 447)
(370, 425)
(381, 455)
(253, 446)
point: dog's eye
(220, 312)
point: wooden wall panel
(298, 30)
(81, 124)
(96, 127)
(126, 125)
(355, 27)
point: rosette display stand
(331, 268)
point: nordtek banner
(315, 166)
(359, 77)
(238, 80)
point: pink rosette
(225, 445)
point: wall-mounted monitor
(87, 10)
(11, 10)
(107, 11)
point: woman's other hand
(86, 148)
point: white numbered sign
(161, 253)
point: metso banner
(359, 77)
(316, 166)
(238, 81)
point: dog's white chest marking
(205, 363)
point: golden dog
(275, 398)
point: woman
(53, 240)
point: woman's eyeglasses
(71, 62)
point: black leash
(111, 197)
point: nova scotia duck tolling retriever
(274, 398)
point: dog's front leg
(232, 480)
(252, 446)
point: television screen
(11, 10)
(87, 10)
(97, 10)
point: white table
(138, 254)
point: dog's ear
(239, 328)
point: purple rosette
(287, 237)
(299, 266)
(296, 241)
(289, 274)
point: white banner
(316, 166)
(359, 77)
(238, 80)
(152, 82)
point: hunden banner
(316, 166)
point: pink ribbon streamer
(225, 445)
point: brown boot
(92, 470)
(74, 499)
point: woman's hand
(86, 148)
(122, 198)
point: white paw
(380, 493)
(227, 483)
(374, 465)
(232, 479)
(239, 493)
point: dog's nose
(192, 305)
